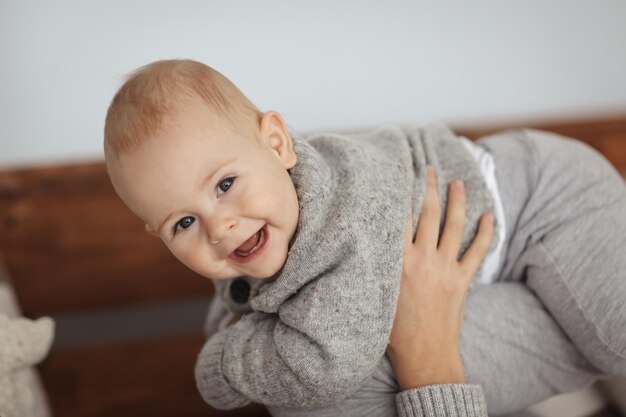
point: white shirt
(487, 166)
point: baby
(306, 235)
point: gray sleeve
(250, 362)
(269, 359)
(442, 400)
(318, 349)
(217, 315)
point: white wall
(323, 64)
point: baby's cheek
(194, 258)
(189, 257)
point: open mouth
(252, 247)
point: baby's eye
(185, 222)
(226, 184)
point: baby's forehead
(212, 147)
(190, 134)
(221, 128)
(191, 152)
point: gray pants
(556, 319)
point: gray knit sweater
(316, 330)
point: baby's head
(205, 170)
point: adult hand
(424, 344)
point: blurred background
(326, 65)
(124, 308)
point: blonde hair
(158, 89)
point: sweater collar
(311, 174)
(312, 179)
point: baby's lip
(231, 253)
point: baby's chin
(251, 275)
(262, 274)
(266, 274)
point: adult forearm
(426, 367)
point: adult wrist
(417, 378)
(417, 370)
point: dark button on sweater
(240, 291)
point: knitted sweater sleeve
(297, 357)
(442, 400)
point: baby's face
(206, 190)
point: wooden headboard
(73, 250)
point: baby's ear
(151, 231)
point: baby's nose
(219, 228)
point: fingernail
(458, 185)
(489, 217)
(430, 170)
